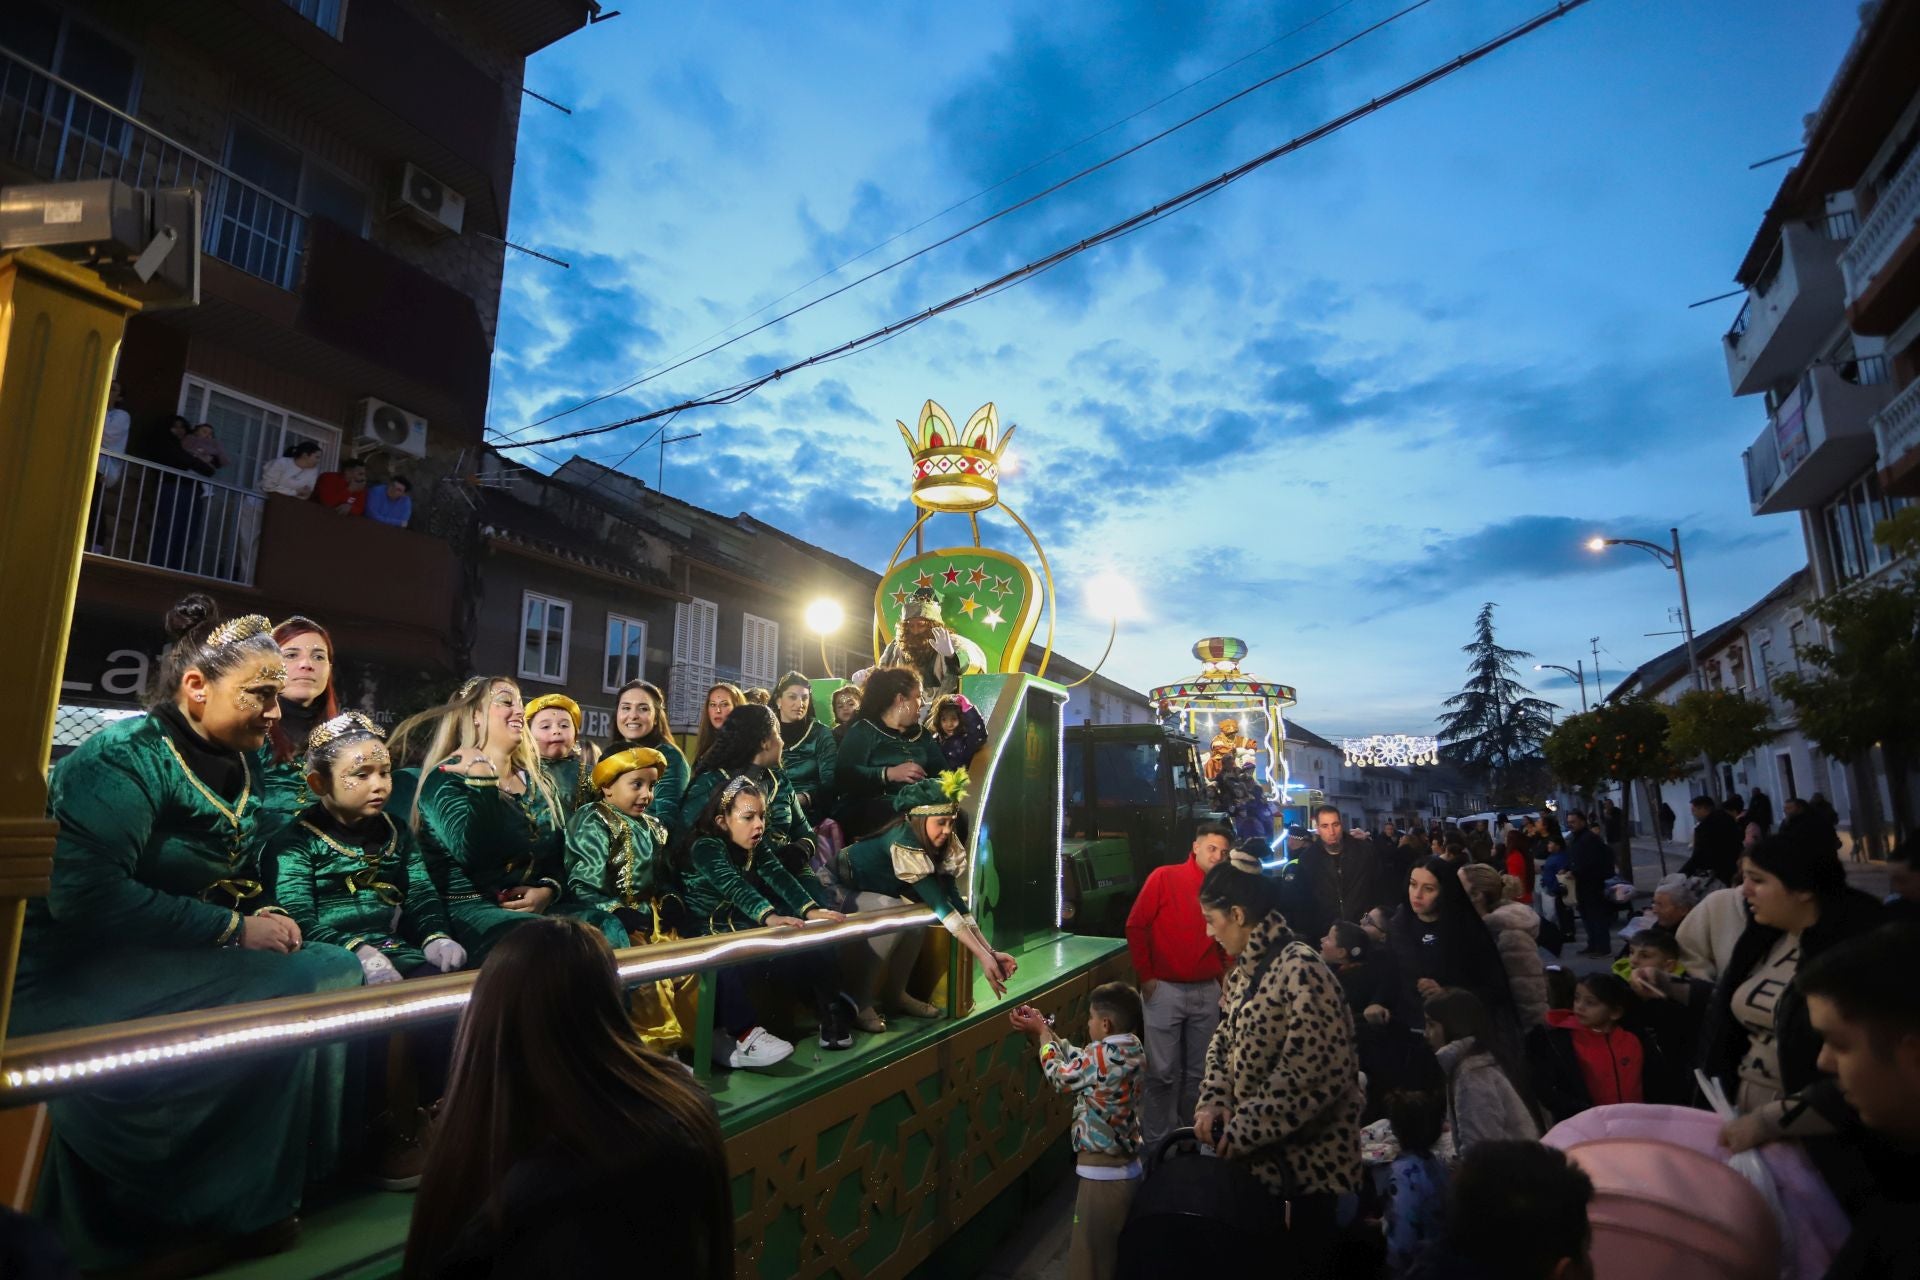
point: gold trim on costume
(233, 815)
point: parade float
(1240, 721)
(931, 1137)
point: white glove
(960, 925)
(446, 955)
(943, 643)
(376, 967)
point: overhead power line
(1126, 226)
(837, 268)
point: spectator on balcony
(113, 437)
(345, 490)
(204, 445)
(176, 501)
(292, 476)
(392, 502)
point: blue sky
(1330, 410)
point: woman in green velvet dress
(811, 750)
(749, 744)
(155, 906)
(306, 702)
(352, 877)
(887, 758)
(488, 822)
(554, 721)
(640, 720)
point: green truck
(1133, 795)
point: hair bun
(189, 612)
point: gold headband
(547, 701)
(740, 783)
(472, 683)
(346, 724)
(609, 770)
(234, 630)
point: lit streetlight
(1578, 671)
(823, 618)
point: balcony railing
(144, 513)
(61, 133)
(1896, 428)
(1893, 218)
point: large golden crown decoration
(956, 469)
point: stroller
(1194, 1211)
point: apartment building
(1827, 335)
(356, 163)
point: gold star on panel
(968, 605)
(901, 597)
(976, 576)
(924, 580)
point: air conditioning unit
(424, 199)
(390, 428)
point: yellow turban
(549, 700)
(608, 771)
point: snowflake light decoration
(1392, 750)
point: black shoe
(836, 1027)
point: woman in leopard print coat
(1282, 1084)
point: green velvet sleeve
(693, 799)
(937, 893)
(296, 888)
(446, 816)
(424, 917)
(796, 898)
(821, 801)
(797, 830)
(712, 865)
(854, 777)
(107, 810)
(589, 843)
(668, 792)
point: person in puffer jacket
(1584, 1057)
(1516, 932)
(1483, 1103)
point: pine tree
(1494, 722)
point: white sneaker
(760, 1050)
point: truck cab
(1134, 793)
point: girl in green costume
(887, 755)
(554, 721)
(486, 817)
(749, 744)
(811, 749)
(155, 906)
(640, 720)
(923, 858)
(306, 702)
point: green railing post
(703, 1028)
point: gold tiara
(472, 683)
(234, 630)
(345, 725)
(739, 783)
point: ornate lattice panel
(868, 1179)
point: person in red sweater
(344, 490)
(1179, 967)
(1583, 1057)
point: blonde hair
(460, 724)
(1488, 885)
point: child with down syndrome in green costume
(155, 906)
(554, 721)
(488, 822)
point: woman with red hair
(306, 701)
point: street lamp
(1578, 671)
(823, 619)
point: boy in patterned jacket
(1105, 1080)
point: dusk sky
(1330, 410)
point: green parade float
(924, 1143)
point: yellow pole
(60, 330)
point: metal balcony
(1882, 265)
(1820, 437)
(144, 513)
(1896, 434)
(1793, 305)
(58, 132)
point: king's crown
(956, 469)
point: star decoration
(900, 598)
(924, 580)
(951, 576)
(992, 619)
(976, 576)
(968, 605)
(1002, 586)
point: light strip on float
(1060, 814)
(57, 1062)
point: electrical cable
(1145, 218)
(991, 217)
(959, 204)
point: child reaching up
(1104, 1079)
(1654, 948)
(1584, 1057)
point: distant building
(1829, 336)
